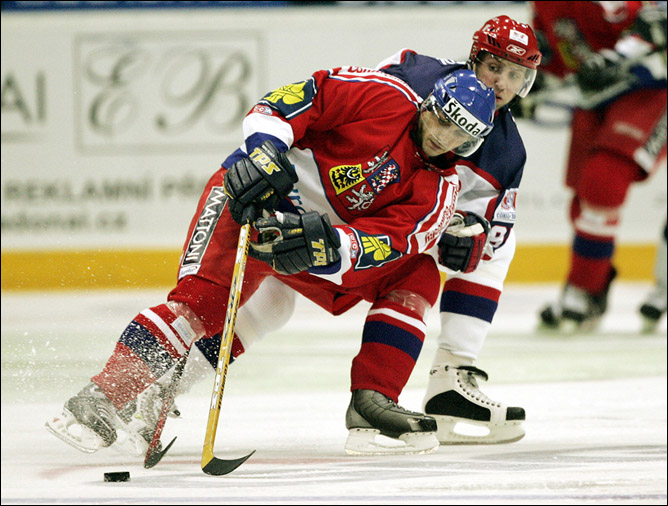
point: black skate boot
(372, 414)
(576, 310)
(653, 309)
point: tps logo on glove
(319, 253)
(265, 162)
(293, 243)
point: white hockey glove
(462, 246)
(293, 243)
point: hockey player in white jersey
(490, 179)
(505, 56)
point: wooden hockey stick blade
(219, 467)
(153, 457)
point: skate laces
(92, 398)
(394, 405)
(377, 404)
(474, 371)
(469, 380)
(404, 410)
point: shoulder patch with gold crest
(291, 99)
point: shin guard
(391, 342)
(150, 345)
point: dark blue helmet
(468, 103)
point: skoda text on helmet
(467, 103)
(506, 38)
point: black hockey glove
(462, 246)
(601, 70)
(292, 243)
(259, 182)
(650, 25)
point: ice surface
(596, 412)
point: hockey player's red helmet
(506, 38)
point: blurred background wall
(114, 115)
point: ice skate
(140, 418)
(149, 405)
(90, 422)
(378, 426)
(653, 309)
(464, 414)
(576, 310)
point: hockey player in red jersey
(505, 57)
(616, 54)
(340, 165)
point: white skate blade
(371, 442)
(452, 431)
(65, 428)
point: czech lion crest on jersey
(359, 184)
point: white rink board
(100, 149)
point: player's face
(437, 134)
(506, 78)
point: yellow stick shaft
(226, 344)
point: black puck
(120, 476)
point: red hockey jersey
(573, 30)
(348, 133)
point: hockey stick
(211, 464)
(153, 455)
